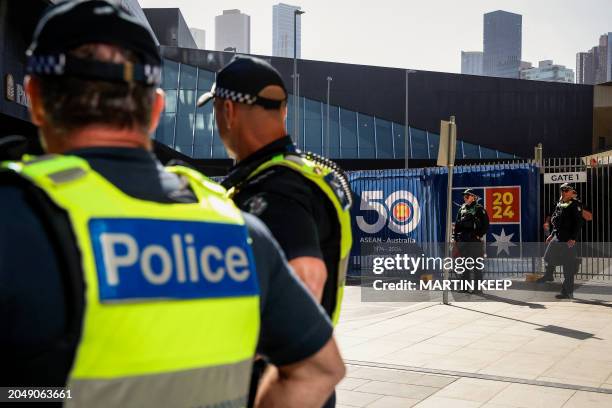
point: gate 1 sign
(575, 177)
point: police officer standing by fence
(303, 198)
(471, 226)
(566, 220)
(131, 284)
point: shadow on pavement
(558, 330)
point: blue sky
(424, 34)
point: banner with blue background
(410, 205)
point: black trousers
(471, 249)
(559, 254)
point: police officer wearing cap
(566, 220)
(131, 284)
(303, 198)
(471, 226)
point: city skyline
(502, 39)
(374, 34)
(233, 31)
(282, 31)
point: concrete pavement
(487, 354)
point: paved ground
(490, 354)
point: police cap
(469, 191)
(242, 80)
(69, 24)
(567, 187)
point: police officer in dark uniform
(471, 225)
(566, 220)
(303, 198)
(154, 339)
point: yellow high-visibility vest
(171, 314)
(319, 174)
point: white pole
(449, 200)
(295, 97)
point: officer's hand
(571, 243)
(549, 238)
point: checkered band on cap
(47, 64)
(235, 96)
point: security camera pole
(446, 157)
(296, 102)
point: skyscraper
(233, 29)
(595, 66)
(471, 62)
(585, 68)
(282, 31)
(502, 44)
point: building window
(165, 129)
(367, 140)
(384, 139)
(399, 141)
(205, 80)
(313, 122)
(419, 145)
(348, 129)
(470, 151)
(185, 118)
(486, 153)
(188, 77)
(433, 140)
(290, 104)
(170, 71)
(334, 132)
(204, 122)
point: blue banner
(410, 205)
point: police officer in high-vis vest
(566, 220)
(470, 227)
(303, 198)
(131, 284)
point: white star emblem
(503, 242)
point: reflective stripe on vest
(172, 302)
(317, 173)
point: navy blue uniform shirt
(301, 217)
(32, 302)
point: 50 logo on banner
(400, 211)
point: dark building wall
(185, 37)
(164, 22)
(170, 27)
(505, 114)
(17, 22)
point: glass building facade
(352, 135)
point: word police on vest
(153, 262)
(235, 258)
